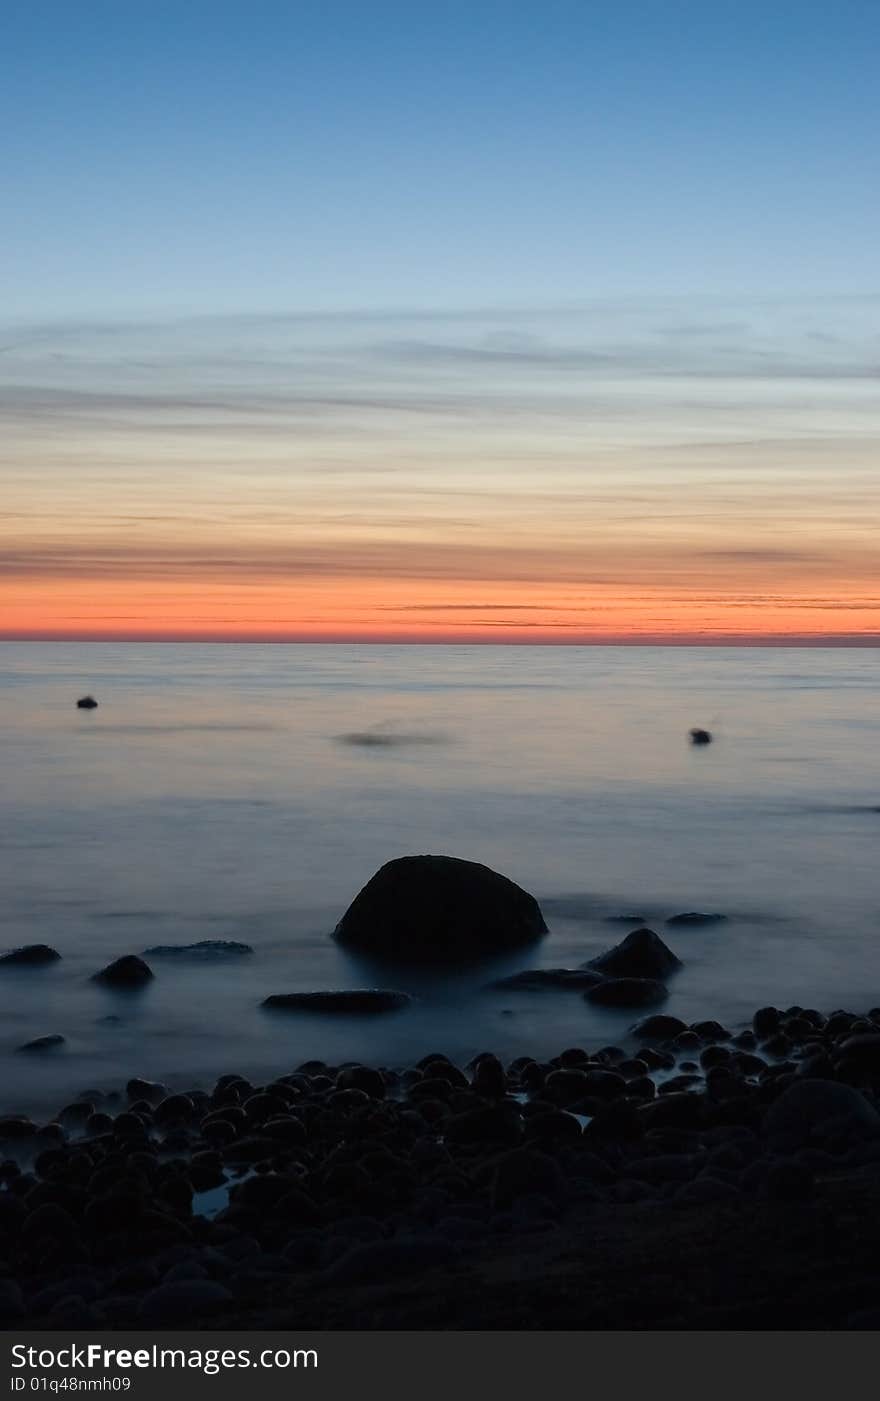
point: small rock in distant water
(693, 919)
(701, 736)
(87, 703)
(205, 948)
(642, 954)
(42, 1043)
(355, 1000)
(627, 992)
(126, 972)
(538, 978)
(388, 739)
(633, 921)
(29, 955)
(439, 909)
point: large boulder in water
(438, 909)
(642, 954)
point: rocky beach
(688, 1176)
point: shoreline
(330, 1183)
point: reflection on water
(222, 805)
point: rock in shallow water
(29, 956)
(438, 909)
(205, 948)
(127, 972)
(532, 979)
(693, 919)
(627, 992)
(354, 1000)
(642, 954)
(660, 1027)
(42, 1043)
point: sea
(247, 792)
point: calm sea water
(247, 792)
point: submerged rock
(30, 956)
(354, 1000)
(627, 992)
(436, 909)
(642, 954)
(87, 703)
(660, 1027)
(42, 1043)
(126, 972)
(693, 919)
(205, 948)
(539, 978)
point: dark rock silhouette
(87, 703)
(807, 1104)
(693, 919)
(535, 978)
(182, 1298)
(627, 992)
(205, 948)
(701, 736)
(388, 739)
(435, 909)
(126, 972)
(42, 1043)
(660, 1027)
(747, 1181)
(858, 1055)
(355, 1000)
(642, 954)
(29, 956)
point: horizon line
(857, 641)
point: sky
(477, 321)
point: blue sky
(221, 157)
(528, 320)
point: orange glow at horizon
(280, 483)
(382, 611)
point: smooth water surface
(247, 792)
